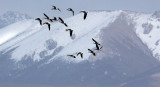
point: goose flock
(97, 45)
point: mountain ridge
(36, 56)
(11, 17)
(130, 16)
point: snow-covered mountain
(11, 17)
(30, 31)
(30, 52)
(146, 26)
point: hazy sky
(35, 8)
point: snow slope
(15, 29)
(30, 40)
(147, 29)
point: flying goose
(85, 14)
(40, 21)
(80, 53)
(48, 25)
(98, 48)
(70, 31)
(70, 9)
(55, 8)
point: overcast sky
(35, 8)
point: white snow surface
(152, 38)
(29, 38)
(13, 30)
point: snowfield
(147, 29)
(30, 40)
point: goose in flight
(55, 8)
(85, 14)
(98, 48)
(70, 9)
(70, 31)
(48, 25)
(40, 21)
(80, 53)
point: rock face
(147, 28)
(156, 14)
(36, 57)
(12, 17)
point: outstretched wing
(90, 50)
(49, 27)
(46, 16)
(59, 9)
(40, 21)
(95, 41)
(65, 24)
(73, 12)
(85, 15)
(60, 20)
(54, 7)
(71, 31)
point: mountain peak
(11, 17)
(156, 14)
(28, 30)
(31, 54)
